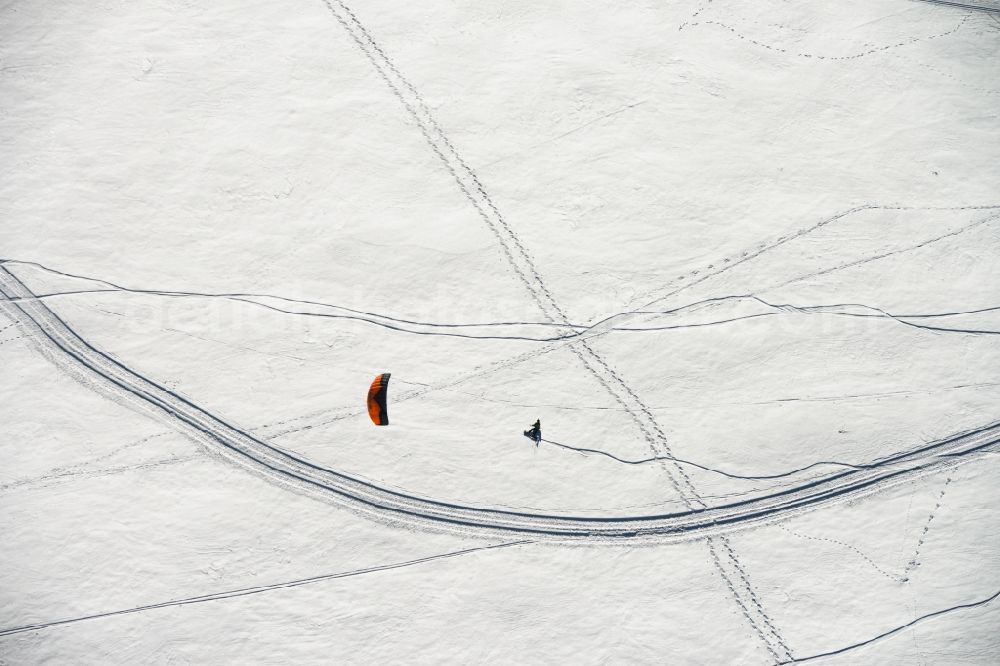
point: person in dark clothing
(535, 434)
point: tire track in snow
(247, 591)
(865, 260)
(606, 322)
(719, 266)
(896, 630)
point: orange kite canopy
(376, 400)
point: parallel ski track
(105, 372)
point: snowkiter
(535, 434)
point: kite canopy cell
(376, 400)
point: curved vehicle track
(103, 371)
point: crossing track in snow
(100, 370)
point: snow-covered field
(739, 252)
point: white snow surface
(776, 223)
